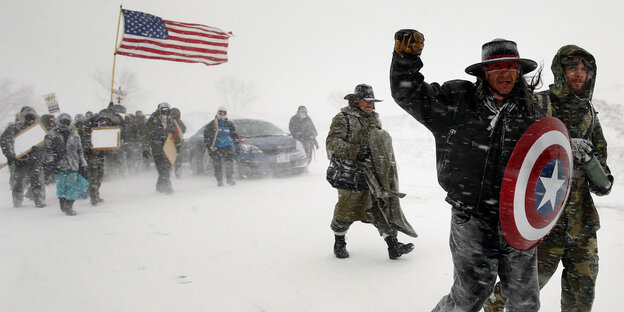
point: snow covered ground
(262, 245)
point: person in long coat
(65, 158)
(355, 134)
(159, 126)
(303, 130)
(476, 127)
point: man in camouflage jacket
(355, 134)
(573, 240)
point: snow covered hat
(362, 92)
(499, 50)
(64, 116)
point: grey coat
(65, 153)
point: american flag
(149, 36)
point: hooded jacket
(7, 139)
(64, 149)
(581, 119)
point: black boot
(397, 249)
(69, 208)
(62, 204)
(340, 247)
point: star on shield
(549, 187)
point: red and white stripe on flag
(149, 36)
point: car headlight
(299, 147)
(248, 148)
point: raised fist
(408, 41)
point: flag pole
(115, 55)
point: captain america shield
(536, 183)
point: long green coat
(350, 129)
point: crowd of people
(476, 126)
(141, 141)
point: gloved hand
(212, 148)
(408, 41)
(364, 153)
(146, 154)
(582, 149)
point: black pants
(163, 166)
(223, 158)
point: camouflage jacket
(581, 119)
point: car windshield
(247, 128)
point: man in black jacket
(28, 166)
(476, 127)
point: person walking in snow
(220, 137)
(159, 126)
(358, 147)
(28, 166)
(95, 158)
(573, 240)
(64, 157)
(476, 127)
(180, 130)
(302, 129)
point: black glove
(363, 153)
(408, 41)
(146, 154)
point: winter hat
(164, 105)
(302, 109)
(221, 108)
(64, 116)
(499, 50)
(362, 92)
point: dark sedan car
(265, 149)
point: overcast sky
(293, 52)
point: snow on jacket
(302, 129)
(156, 131)
(473, 143)
(225, 136)
(7, 139)
(64, 149)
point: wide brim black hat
(362, 92)
(500, 50)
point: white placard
(29, 137)
(25, 140)
(105, 138)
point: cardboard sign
(170, 149)
(51, 103)
(105, 138)
(24, 141)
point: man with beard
(573, 240)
